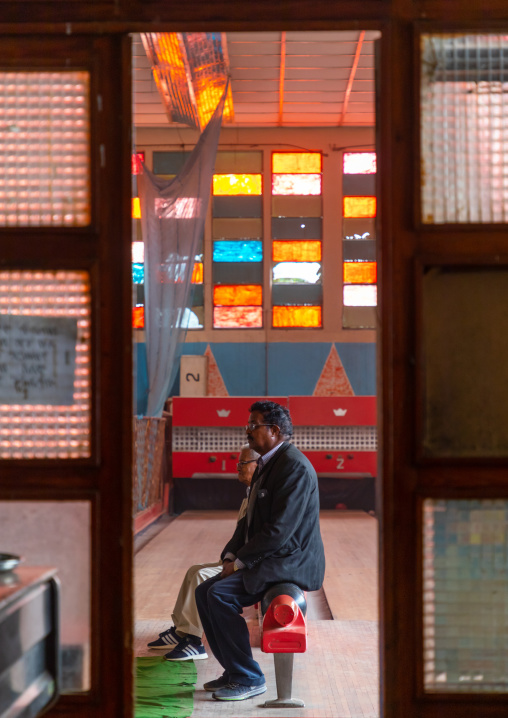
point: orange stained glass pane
(359, 206)
(228, 295)
(296, 316)
(296, 251)
(237, 317)
(304, 184)
(237, 184)
(298, 162)
(360, 272)
(136, 208)
(138, 317)
(197, 273)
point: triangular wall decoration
(216, 386)
(333, 380)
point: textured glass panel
(236, 295)
(138, 317)
(237, 184)
(358, 228)
(359, 206)
(360, 295)
(359, 185)
(359, 163)
(465, 595)
(237, 317)
(296, 316)
(136, 159)
(465, 345)
(297, 206)
(138, 252)
(57, 534)
(238, 161)
(296, 184)
(299, 162)
(238, 206)
(138, 273)
(297, 272)
(464, 134)
(45, 365)
(360, 272)
(232, 228)
(296, 227)
(237, 272)
(44, 149)
(238, 251)
(197, 273)
(300, 251)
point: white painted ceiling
(283, 79)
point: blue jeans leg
(219, 603)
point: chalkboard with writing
(37, 359)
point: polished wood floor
(338, 675)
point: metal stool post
(284, 678)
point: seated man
(277, 540)
(183, 639)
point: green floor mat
(164, 689)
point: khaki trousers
(185, 613)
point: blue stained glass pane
(238, 251)
(138, 273)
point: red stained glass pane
(136, 160)
(296, 184)
(296, 251)
(359, 163)
(197, 273)
(296, 316)
(298, 162)
(138, 317)
(360, 272)
(237, 295)
(237, 184)
(237, 317)
(359, 206)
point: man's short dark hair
(275, 414)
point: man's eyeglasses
(251, 426)
(241, 464)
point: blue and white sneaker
(238, 692)
(167, 639)
(187, 650)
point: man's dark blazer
(284, 539)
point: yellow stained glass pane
(237, 294)
(304, 184)
(197, 273)
(360, 272)
(359, 206)
(237, 184)
(237, 317)
(296, 316)
(298, 162)
(136, 208)
(296, 251)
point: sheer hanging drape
(172, 218)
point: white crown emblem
(223, 412)
(340, 412)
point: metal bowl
(8, 561)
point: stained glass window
(138, 317)
(360, 272)
(296, 184)
(359, 206)
(237, 317)
(138, 252)
(138, 273)
(359, 163)
(197, 273)
(308, 317)
(136, 160)
(297, 272)
(301, 251)
(360, 295)
(237, 184)
(236, 295)
(296, 162)
(238, 251)
(136, 208)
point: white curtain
(172, 218)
